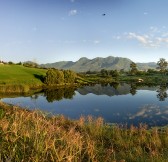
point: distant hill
(110, 63)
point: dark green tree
(53, 77)
(104, 72)
(162, 65)
(133, 67)
(69, 76)
(114, 73)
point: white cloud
(34, 28)
(91, 41)
(154, 38)
(73, 12)
(117, 37)
(144, 40)
(140, 38)
(96, 41)
(145, 13)
(154, 29)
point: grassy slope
(18, 74)
(32, 136)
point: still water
(120, 103)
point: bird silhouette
(104, 14)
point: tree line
(162, 67)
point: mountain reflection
(112, 89)
(109, 89)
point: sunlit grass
(34, 136)
(18, 74)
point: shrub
(53, 77)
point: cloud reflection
(151, 111)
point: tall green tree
(114, 73)
(53, 77)
(69, 76)
(104, 72)
(133, 67)
(162, 65)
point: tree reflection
(104, 84)
(34, 97)
(59, 94)
(115, 85)
(162, 94)
(133, 89)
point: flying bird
(104, 14)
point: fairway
(18, 74)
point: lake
(117, 103)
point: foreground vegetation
(33, 136)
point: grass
(93, 79)
(20, 75)
(34, 136)
(148, 79)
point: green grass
(20, 75)
(153, 79)
(33, 136)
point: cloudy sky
(57, 30)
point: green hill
(18, 74)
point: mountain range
(110, 63)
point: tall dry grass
(34, 136)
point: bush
(53, 77)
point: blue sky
(59, 30)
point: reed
(20, 88)
(36, 136)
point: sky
(47, 31)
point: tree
(114, 73)
(69, 76)
(53, 77)
(104, 72)
(162, 63)
(133, 67)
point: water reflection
(108, 89)
(59, 94)
(116, 103)
(162, 92)
(151, 114)
(112, 89)
(133, 89)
